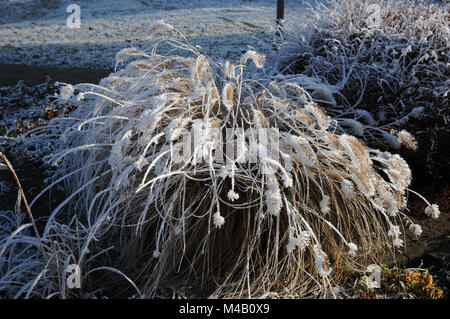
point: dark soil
(29, 169)
(10, 74)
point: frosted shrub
(152, 203)
(385, 62)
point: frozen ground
(34, 32)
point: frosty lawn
(223, 29)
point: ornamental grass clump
(192, 177)
(387, 66)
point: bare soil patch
(10, 74)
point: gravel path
(35, 32)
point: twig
(22, 194)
